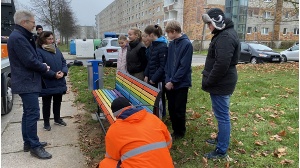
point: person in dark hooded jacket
(220, 75)
(154, 72)
(54, 83)
(178, 78)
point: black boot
(27, 146)
(40, 153)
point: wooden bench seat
(138, 92)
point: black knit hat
(119, 103)
(216, 17)
(38, 26)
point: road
(197, 59)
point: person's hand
(48, 67)
(151, 82)
(169, 86)
(59, 75)
(146, 79)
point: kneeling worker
(137, 139)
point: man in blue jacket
(26, 69)
(178, 78)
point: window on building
(267, 15)
(287, 15)
(250, 13)
(249, 30)
(265, 30)
(143, 3)
(158, 9)
(267, 0)
(296, 31)
(284, 31)
(158, 21)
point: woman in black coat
(54, 83)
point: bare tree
(57, 14)
(67, 22)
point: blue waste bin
(95, 74)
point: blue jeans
(220, 106)
(31, 114)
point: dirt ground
(92, 139)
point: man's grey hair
(21, 15)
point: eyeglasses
(31, 21)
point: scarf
(49, 47)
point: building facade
(121, 15)
(269, 21)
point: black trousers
(57, 98)
(177, 100)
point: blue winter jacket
(178, 63)
(26, 67)
(156, 63)
(56, 61)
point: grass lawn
(264, 119)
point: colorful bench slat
(136, 91)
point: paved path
(63, 141)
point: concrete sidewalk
(63, 142)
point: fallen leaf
(286, 161)
(243, 129)
(274, 116)
(196, 153)
(276, 138)
(262, 98)
(213, 135)
(204, 161)
(255, 134)
(280, 152)
(282, 133)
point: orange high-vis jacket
(137, 139)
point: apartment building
(121, 15)
(272, 21)
(255, 20)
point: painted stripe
(143, 149)
(136, 93)
(152, 90)
(132, 99)
(138, 89)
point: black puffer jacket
(220, 74)
(136, 59)
(156, 63)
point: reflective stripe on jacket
(138, 140)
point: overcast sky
(84, 10)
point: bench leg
(99, 119)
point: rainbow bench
(138, 92)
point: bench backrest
(138, 92)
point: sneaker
(212, 141)
(27, 146)
(215, 155)
(47, 127)
(40, 153)
(60, 122)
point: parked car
(291, 54)
(258, 53)
(108, 51)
